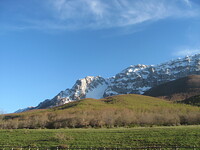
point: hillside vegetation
(116, 111)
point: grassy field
(109, 138)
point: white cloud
(97, 8)
(117, 13)
(98, 14)
(188, 2)
(186, 52)
(77, 9)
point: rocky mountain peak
(134, 68)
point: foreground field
(109, 138)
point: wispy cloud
(81, 14)
(186, 52)
(188, 2)
(118, 13)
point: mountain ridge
(136, 79)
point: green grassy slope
(109, 138)
(115, 111)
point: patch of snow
(98, 92)
(24, 109)
(110, 92)
(143, 89)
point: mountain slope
(133, 80)
(194, 100)
(114, 111)
(179, 89)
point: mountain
(115, 111)
(135, 79)
(177, 90)
(24, 109)
(89, 87)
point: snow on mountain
(139, 78)
(135, 79)
(98, 92)
(24, 109)
(88, 87)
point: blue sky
(45, 46)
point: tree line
(100, 118)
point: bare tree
(1, 112)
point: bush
(61, 137)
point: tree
(1, 112)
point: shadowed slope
(179, 89)
(194, 100)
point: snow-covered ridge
(139, 78)
(24, 109)
(134, 79)
(88, 87)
